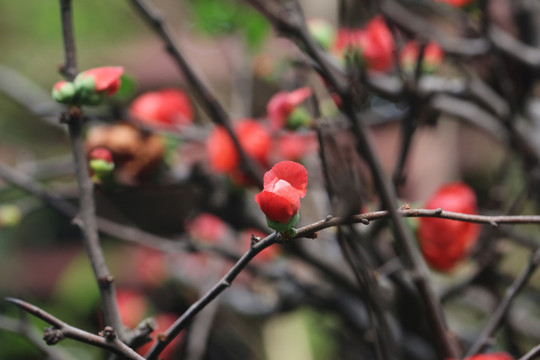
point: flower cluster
(445, 242)
(90, 87)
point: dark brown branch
(87, 210)
(208, 101)
(496, 319)
(60, 330)
(217, 289)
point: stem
(87, 210)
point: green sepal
(101, 168)
(10, 215)
(86, 90)
(284, 228)
(299, 117)
(66, 93)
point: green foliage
(220, 17)
(128, 88)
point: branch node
(52, 335)
(438, 211)
(108, 333)
(328, 218)
(313, 235)
(106, 281)
(162, 337)
(364, 221)
(494, 223)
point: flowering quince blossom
(433, 56)
(253, 137)
(284, 185)
(284, 110)
(165, 108)
(375, 43)
(444, 242)
(90, 87)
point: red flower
(294, 146)
(282, 104)
(444, 242)
(284, 185)
(457, 3)
(106, 78)
(149, 267)
(491, 356)
(101, 153)
(163, 108)
(207, 227)
(253, 137)
(433, 56)
(163, 322)
(132, 307)
(375, 43)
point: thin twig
(495, 320)
(61, 330)
(208, 101)
(87, 211)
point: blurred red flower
(166, 108)
(132, 306)
(491, 356)
(207, 227)
(457, 3)
(284, 185)
(444, 242)
(375, 43)
(253, 137)
(283, 103)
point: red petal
(221, 151)
(163, 108)
(276, 207)
(107, 78)
(254, 138)
(290, 171)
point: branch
(496, 319)
(23, 327)
(60, 330)
(208, 101)
(217, 289)
(87, 207)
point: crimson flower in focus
(491, 356)
(104, 79)
(132, 306)
(445, 242)
(284, 109)
(284, 185)
(456, 3)
(375, 43)
(164, 108)
(253, 137)
(163, 322)
(433, 56)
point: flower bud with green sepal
(64, 92)
(299, 117)
(101, 164)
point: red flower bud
(282, 104)
(284, 185)
(164, 108)
(253, 137)
(106, 79)
(444, 242)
